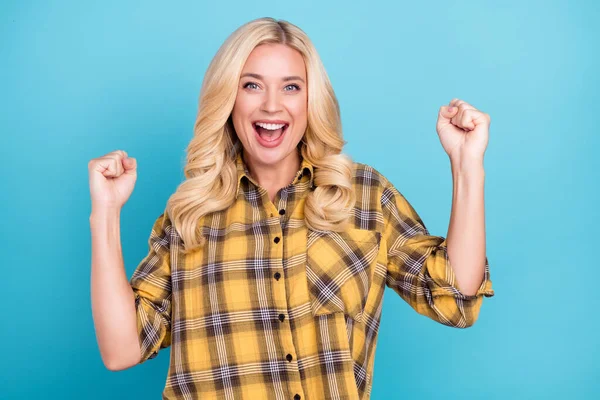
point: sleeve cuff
(152, 331)
(442, 280)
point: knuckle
(116, 154)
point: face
(270, 111)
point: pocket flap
(339, 266)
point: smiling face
(270, 111)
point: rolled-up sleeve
(151, 284)
(419, 270)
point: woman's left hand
(463, 131)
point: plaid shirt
(269, 309)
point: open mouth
(270, 136)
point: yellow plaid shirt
(269, 309)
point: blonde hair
(210, 170)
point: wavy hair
(210, 171)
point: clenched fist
(112, 179)
(463, 131)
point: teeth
(271, 127)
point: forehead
(274, 61)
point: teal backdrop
(79, 79)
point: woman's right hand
(112, 179)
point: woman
(266, 271)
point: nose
(271, 101)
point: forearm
(466, 231)
(113, 301)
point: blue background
(81, 79)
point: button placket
(280, 288)
(277, 239)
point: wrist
(105, 213)
(468, 167)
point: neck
(273, 177)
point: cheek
(240, 113)
(238, 125)
(244, 105)
(299, 110)
(300, 115)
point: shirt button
(277, 276)
(297, 397)
(276, 240)
(281, 317)
(289, 358)
(281, 212)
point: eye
(294, 85)
(250, 83)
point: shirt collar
(306, 169)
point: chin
(268, 156)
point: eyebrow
(285, 78)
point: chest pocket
(339, 269)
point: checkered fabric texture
(269, 309)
